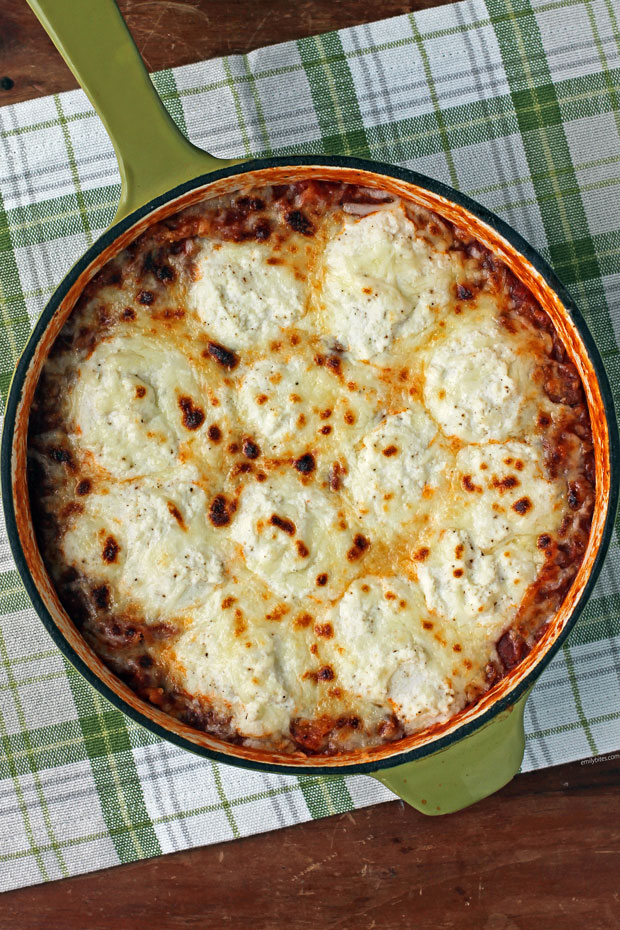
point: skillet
(480, 749)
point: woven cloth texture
(513, 102)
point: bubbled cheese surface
(339, 517)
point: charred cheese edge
(310, 468)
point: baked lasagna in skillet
(310, 468)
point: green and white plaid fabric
(513, 102)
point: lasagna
(310, 469)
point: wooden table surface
(543, 854)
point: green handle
(153, 156)
(464, 772)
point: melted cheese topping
(288, 533)
(381, 281)
(397, 466)
(241, 298)
(161, 559)
(475, 385)
(304, 475)
(383, 650)
(126, 405)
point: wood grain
(177, 32)
(543, 853)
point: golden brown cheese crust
(143, 289)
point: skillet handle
(152, 154)
(464, 772)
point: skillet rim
(104, 241)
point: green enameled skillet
(480, 749)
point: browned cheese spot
(111, 550)
(507, 483)
(321, 579)
(220, 354)
(302, 549)
(391, 450)
(146, 297)
(522, 505)
(173, 313)
(279, 611)
(326, 673)
(262, 399)
(128, 313)
(422, 554)
(349, 417)
(325, 430)
(220, 510)
(325, 414)
(334, 476)
(463, 293)
(83, 487)
(71, 508)
(458, 572)
(193, 416)
(544, 420)
(459, 550)
(249, 448)
(457, 647)
(359, 547)
(334, 364)
(175, 512)
(300, 223)
(282, 523)
(261, 229)
(303, 621)
(101, 596)
(469, 485)
(305, 464)
(240, 624)
(325, 630)
(543, 541)
(228, 602)
(427, 624)
(214, 433)
(63, 457)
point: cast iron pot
(445, 767)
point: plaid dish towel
(515, 103)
